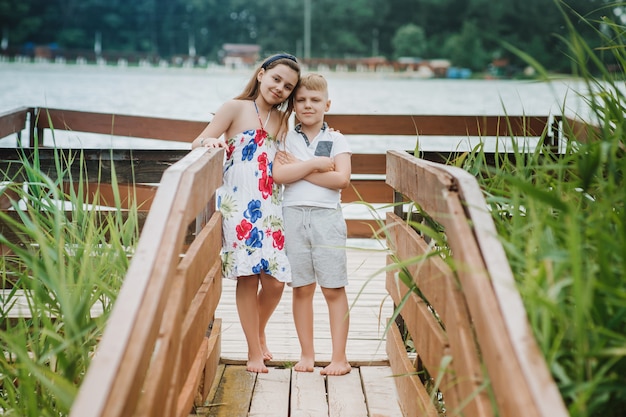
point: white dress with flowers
(250, 203)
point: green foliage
(466, 49)
(561, 219)
(61, 273)
(409, 40)
(339, 28)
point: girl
(250, 202)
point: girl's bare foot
(305, 365)
(256, 366)
(336, 368)
(267, 355)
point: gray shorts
(315, 242)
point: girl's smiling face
(277, 83)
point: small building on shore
(240, 54)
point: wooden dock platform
(368, 390)
(370, 308)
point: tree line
(469, 33)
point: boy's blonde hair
(314, 82)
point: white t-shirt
(326, 143)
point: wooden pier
(173, 344)
(370, 304)
(369, 390)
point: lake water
(192, 94)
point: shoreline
(216, 69)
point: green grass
(561, 220)
(61, 265)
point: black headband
(276, 58)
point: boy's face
(311, 105)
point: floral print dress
(250, 203)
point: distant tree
(409, 40)
(465, 49)
(391, 28)
(15, 21)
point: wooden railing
(161, 345)
(142, 168)
(157, 353)
(470, 329)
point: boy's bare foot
(305, 365)
(336, 368)
(256, 366)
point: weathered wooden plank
(378, 124)
(430, 273)
(430, 341)
(233, 395)
(525, 359)
(428, 336)
(368, 163)
(187, 393)
(465, 387)
(345, 395)
(465, 362)
(114, 381)
(380, 391)
(201, 257)
(421, 182)
(308, 394)
(124, 196)
(131, 166)
(213, 387)
(125, 337)
(371, 191)
(497, 352)
(120, 125)
(366, 391)
(271, 394)
(440, 125)
(581, 131)
(414, 400)
(364, 229)
(13, 121)
(200, 181)
(162, 375)
(485, 311)
(211, 369)
(198, 317)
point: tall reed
(561, 219)
(62, 268)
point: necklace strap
(269, 113)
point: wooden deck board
(308, 394)
(271, 394)
(380, 391)
(370, 307)
(345, 395)
(283, 392)
(368, 390)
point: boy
(315, 168)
